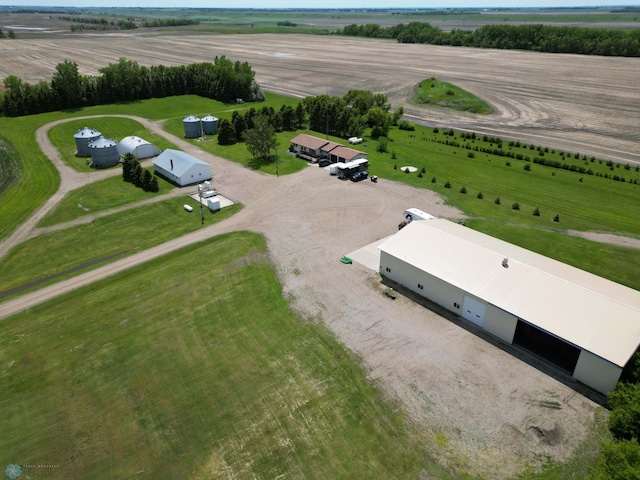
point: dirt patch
(609, 238)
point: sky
(326, 3)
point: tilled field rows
(576, 103)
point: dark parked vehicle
(323, 162)
(356, 177)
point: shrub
(480, 195)
(536, 212)
(393, 155)
(404, 125)
(433, 180)
(424, 170)
(420, 175)
(382, 144)
(447, 185)
(463, 190)
(395, 166)
(556, 218)
(527, 167)
(515, 206)
(497, 201)
(508, 164)
(471, 155)
(406, 170)
(435, 130)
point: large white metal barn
(181, 168)
(584, 324)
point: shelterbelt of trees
(540, 38)
(222, 80)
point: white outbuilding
(583, 324)
(138, 147)
(181, 168)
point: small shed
(138, 147)
(181, 168)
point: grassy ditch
(183, 368)
(442, 94)
(100, 196)
(58, 255)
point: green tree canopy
(261, 140)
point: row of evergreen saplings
(133, 172)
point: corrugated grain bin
(83, 138)
(210, 125)
(104, 153)
(192, 127)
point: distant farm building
(313, 149)
(181, 168)
(83, 138)
(138, 147)
(585, 325)
(104, 153)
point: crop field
(186, 378)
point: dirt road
(454, 385)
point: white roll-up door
(473, 310)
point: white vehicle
(188, 208)
(412, 214)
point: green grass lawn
(99, 196)
(442, 94)
(113, 128)
(286, 164)
(54, 256)
(188, 368)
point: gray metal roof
(87, 132)
(102, 143)
(590, 312)
(182, 162)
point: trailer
(411, 214)
(347, 169)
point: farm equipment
(346, 260)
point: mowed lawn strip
(38, 178)
(192, 366)
(76, 249)
(100, 196)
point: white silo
(209, 125)
(83, 138)
(192, 127)
(104, 153)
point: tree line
(222, 80)
(540, 38)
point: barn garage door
(473, 310)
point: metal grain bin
(104, 153)
(210, 125)
(83, 138)
(192, 127)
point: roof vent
(505, 262)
